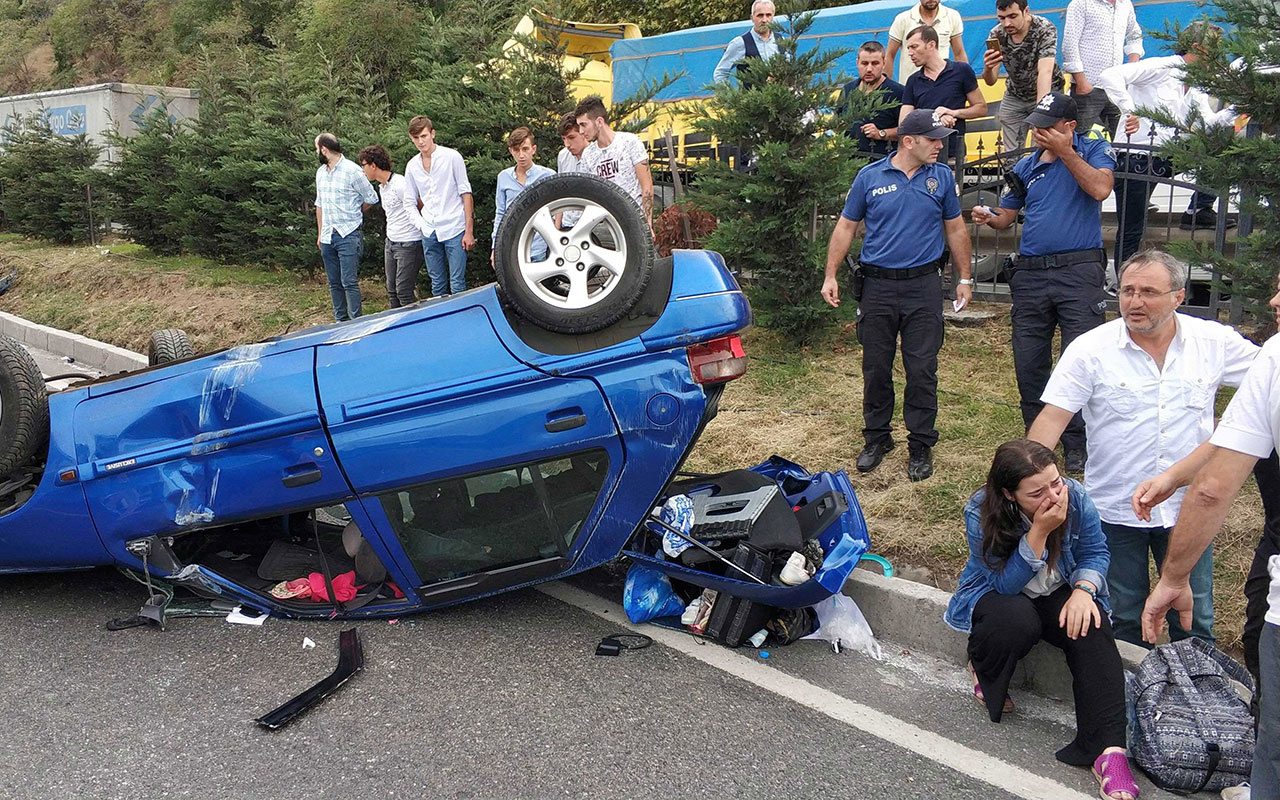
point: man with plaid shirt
(342, 195)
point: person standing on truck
(945, 22)
(617, 156)
(1026, 45)
(759, 42)
(909, 205)
(1098, 35)
(877, 134)
(948, 87)
(343, 193)
(1057, 277)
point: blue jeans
(436, 254)
(1129, 582)
(1266, 753)
(341, 258)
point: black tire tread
(542, 192)
(24, 428)
(170, 344)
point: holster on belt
(856, 282)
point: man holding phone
(1026, 45)
(1058, 273)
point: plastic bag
(678, 513)
(841, 623)
(648, 594)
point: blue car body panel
(354, 412)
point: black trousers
(1258, 583)
(910, 309)
(1070, 298)
(1006, 627)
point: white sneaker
(1240, 792)
(794, 572)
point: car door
(433, 419)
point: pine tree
(48, 182)
(142, 181)
(768, 218)
(1242, 70)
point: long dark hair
(1001, 517)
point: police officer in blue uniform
(909, 207)
(1060, 268)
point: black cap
(924, 122)
(1051, 108)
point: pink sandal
(1112, 771)
(981, 699)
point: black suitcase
(734, 620)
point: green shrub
(48, 183)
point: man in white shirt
(1249, 431)
(1145, 384)
(570, 156)
(436, 182)
(1097, 35)
(1157, 83)
(618, 157)
(402, 244)
(946, 22)
(759, 42)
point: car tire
(594, 273)
(24, 407)
(170, 344)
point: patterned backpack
(1192, 732)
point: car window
(528, 512)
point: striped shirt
(340, 191)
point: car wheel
(24, 407)
(170, 344)
(583, 274)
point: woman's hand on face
(1077, 613)
(1053, 510)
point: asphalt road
(502, 697)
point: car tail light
(718, 360)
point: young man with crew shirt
(1249, 431)
(402, 245)
(909, 206)
(1028, 52)
(342, 195)
(1098, 34)
(759, 42)
(1146, 384)
(875, 135)
(945, 22)
(1060, 268)
(949, 88)
(617, 156)
(437, 183)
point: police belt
(932, 268)
(1067, 258)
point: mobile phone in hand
(993, 43)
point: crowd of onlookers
(429, 208)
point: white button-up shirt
(1098, 34)
(1140, 419)
(404, 223)
(440, 190)
(1156, 83)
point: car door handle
(566, 423)
(301, 478)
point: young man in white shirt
(1145, 384)
(946, 22)
(1249, 431)
(402, 246)
(1097, 35)
(436, 183)
(618, 157)
(570, 156)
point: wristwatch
(967, 282)
(879, 133)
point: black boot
(873, 454)
(920, 465)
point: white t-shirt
(1140, 418)
(617, 162)
(947, 22)
(440, 190)
(404, 223)
(567, 162)
(1251, 425)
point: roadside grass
(803, 403)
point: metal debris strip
(350, 661)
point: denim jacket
(1085, 557)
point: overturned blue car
(424, 456)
